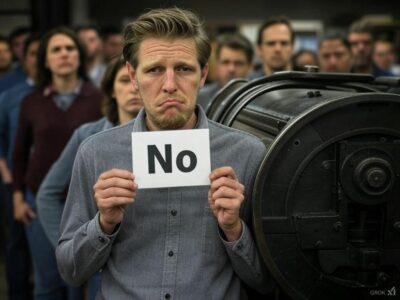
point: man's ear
(204, 73)
(132, 75)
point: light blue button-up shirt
(168, 245)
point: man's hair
(167, 23)
(235, 41)
(80, 28)
(18, 31)
(275, 21)
(109, 105)
(5, 40)
(44, 76)
(110, 30)
(335, 35)
(362, 26)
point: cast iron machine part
(327, 195)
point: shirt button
(240, 246)
(101, 239)
(174, 212)
(171, 253)
(167, 296)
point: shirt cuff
(238, 245)
(97, 237)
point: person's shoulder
(32, 97)
(93, 127)
(111, 136)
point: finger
(228, 182)
(115, 182)
(115, 192)
(226, 171)
(114, 201)
(226, 192)
(117, 173)
(228, 204)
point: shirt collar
(140, 124)
(50, 89)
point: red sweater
(44, 130)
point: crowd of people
(76, 94)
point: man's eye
(155, 70)
(184, 69)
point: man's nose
(170, 82)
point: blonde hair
(167, 23)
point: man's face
(276, 47)
(17, 45)
(5, 56)
(361, 47)
(169, 77)
(92, 42)
(30, 59)
(232, 63)
(384, 56)
(62, 56)
(113, 45)
(333, 56)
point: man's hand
(225, 197)
(22, 211)
(113, 191)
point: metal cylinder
(327, 193)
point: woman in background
(63, 100)
(121, 103)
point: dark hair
(5, 40)
(18, 31)
(30, 40)
(235, 41)
(109, 31)
(335, 35)
(88, 27)
(166, 23)
(274, 21)
(296, 66)
(109, 104)
(362, 26)
(44, 74)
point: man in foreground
(167, 243)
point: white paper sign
(171, 158)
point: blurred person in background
(334, 53)
(113, 42)
(17, 75)
(385, 56)
(302, 58)
(91, 39)
(18, 261)
(274, 46)
(6, 56)
(234, 59)
(361, 39)
(64, 100)
(121, 103)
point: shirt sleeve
(50, 199)
(3, 127)
(243, 253)
(83, 248)
(22, 147)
